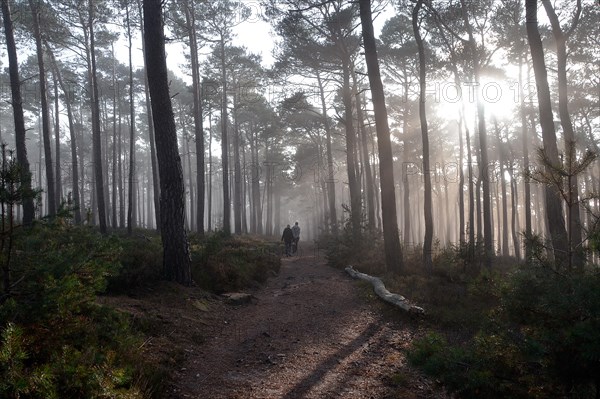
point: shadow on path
(306, 384)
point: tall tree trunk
(485, 182)
(51, 184)
(461, 184)
(370, 192)
(277, 208)
(556, 222)
(105, 159)
(256, 188)
(225, 145)
(17, 105)
(81, 159)
(405, 182)
(77, 203)
(406, 189)
(252, 176)
(193, 219)
(176, 255)
(393, 252)
(502, 161)
(514, 215)
(245, 191)
(96, 135)
(210, 173)
(478, 212)
(57, 141)
(577, 257)
(131, 216)
(330, 172)
(155, 178)
(471, 189)
(351, 163)
(526, 181)
(120, 179)
(269, 195)
(198, 117)
(237, 170)
(428, 240)
(114, 141)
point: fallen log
(382, 292)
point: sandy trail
(307, 334)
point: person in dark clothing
(296, 232)
(287, 238)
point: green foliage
(57, 342)
(542, 340)
(559, 316)
(221, 263)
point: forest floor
(309, 332)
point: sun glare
(499, 98)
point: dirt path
(307, 334)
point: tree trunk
(186, 150)
(237, 170)
(370, 193)
(331, 173)
(471, 190)
(96, 134)
(155, 182)
(461, 184)
(526, 182)
(131, 216)
(225, 145)
(427, 242)
(17, 105)
(393, 252)
(51, 184)
(116, 100)
(351, 163)
(514, 216)
(502, 161)
(577, 257)
(77, 203)
(485, 182)
(269, 195)
(198, 118)
(120, 171)
(256, 188)
(556, 222)
(245, 191)
(57, 141)
(176, 255)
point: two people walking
(290, 237)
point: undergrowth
(55, 340)
(516, 330)
(221, 263)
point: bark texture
(176, 255)
(393, 252)
(556, 222)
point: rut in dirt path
(308, 334)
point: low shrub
(541, 340)
(221, 263)
(55, 340)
